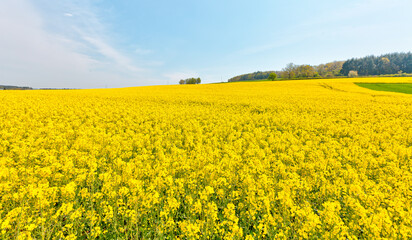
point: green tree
(272, 76)
(190, 81)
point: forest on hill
(395, 64)
(392, 63)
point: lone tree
(190, 81)
(272, 76)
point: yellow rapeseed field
(266, 160)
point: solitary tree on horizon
(190, 81)
(272, 76)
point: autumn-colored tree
(289, 71)
(353, 74)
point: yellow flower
(312, 159)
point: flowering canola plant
(267, 160)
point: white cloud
(32, 54)
(111, 53)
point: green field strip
(388, 87)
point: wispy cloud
(357, 9)
(286, 40)
(90, 29)
(337, 24)
(75, 53)
(111, 53)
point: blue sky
(101, 43)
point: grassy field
(315, 159)
(389, 87)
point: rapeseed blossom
(269, 160)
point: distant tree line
(393, 63)
(251, 76)
(328, 70)
(190, 81)
(6, 87)
(292, 71)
